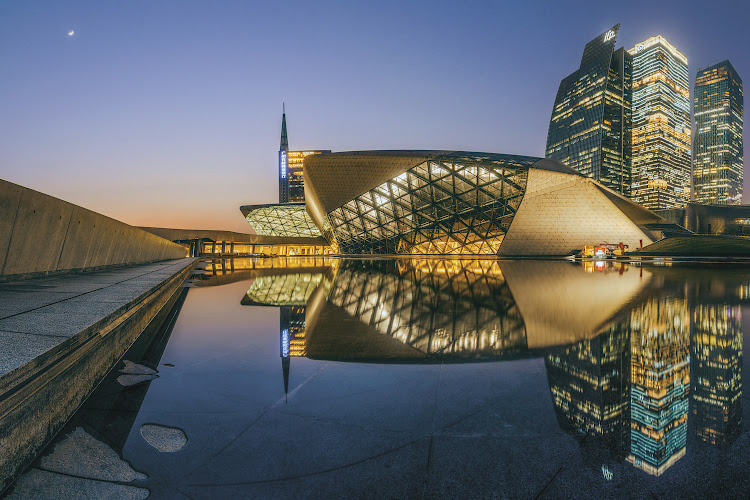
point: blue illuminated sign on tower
(282, 163)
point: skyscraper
(591, 125)
(717, 146)
(291, 181)
(661, 125)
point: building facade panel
(718, 156)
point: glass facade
(661, 125)
(455, 203)
(590, 127)
(290, 219)
(718, 161)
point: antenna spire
(284, 139)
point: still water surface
(432, 378)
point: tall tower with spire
(291, 178)
(283, 160)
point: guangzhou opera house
(456, 202)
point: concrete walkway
(38, 315)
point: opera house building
(457, 202)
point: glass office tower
(717, 146)
(590, 128)
(661, 125)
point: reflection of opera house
(630, 353)
(446, 202)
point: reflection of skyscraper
(591, 126)
(717, 373)
(661, 125)
(717, 145)
(660, 383)
(589, 383)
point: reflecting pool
(319, 377)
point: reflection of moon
(71, 33)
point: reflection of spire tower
(660, 383)
(588, 382)
(292, 331)
(716, 364)
(284, 161)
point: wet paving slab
(38, 314)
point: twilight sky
(167, 113)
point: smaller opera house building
(457, 202)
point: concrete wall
(40, 234)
